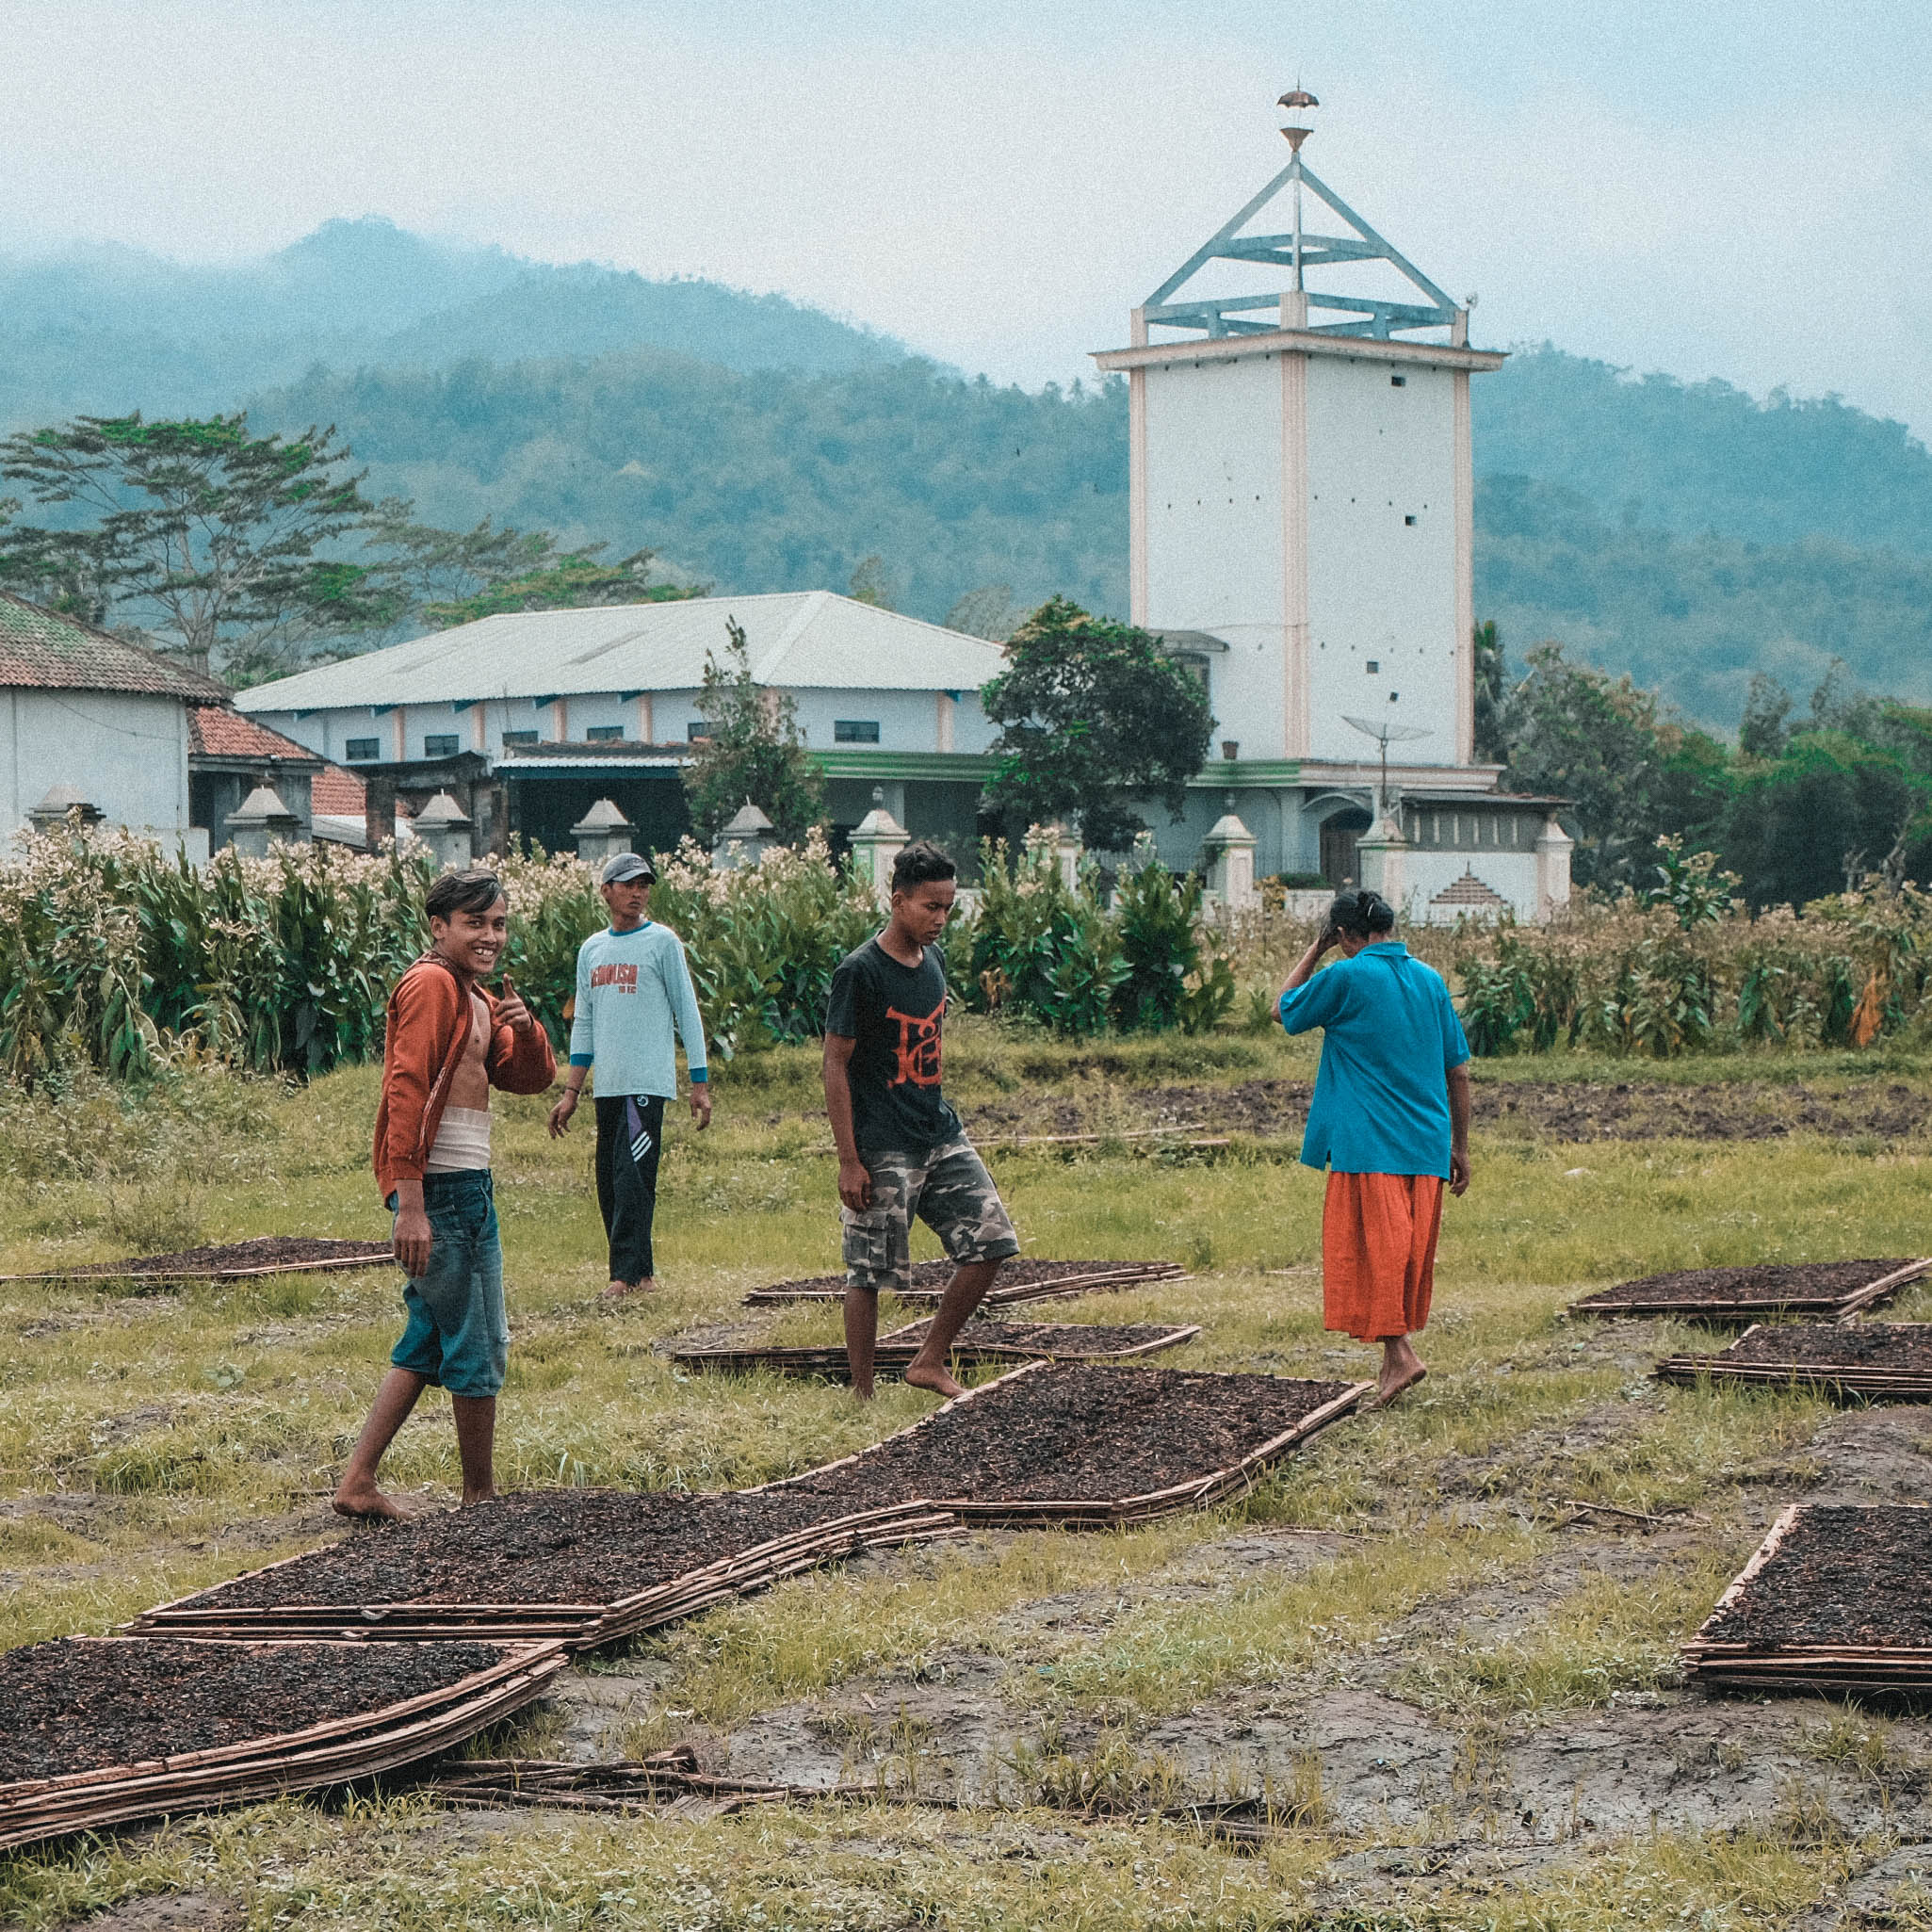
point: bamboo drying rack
(335, 1752)
(1733, 1307)
(1092, 1279)
(1851, 1668)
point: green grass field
(1452, 1678)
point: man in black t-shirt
(902, 1150)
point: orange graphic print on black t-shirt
(918, 1049)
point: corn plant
(1684, 967)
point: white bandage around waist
(462, 1142)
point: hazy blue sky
(1711, 189)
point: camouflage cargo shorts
(949, 1190)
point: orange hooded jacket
(429, 1022)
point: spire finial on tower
(1297, 101)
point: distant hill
(100, 331)
(777, 481)
(1691, 458)
(762, 482)
(1696, 616)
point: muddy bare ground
(177, 1911)
(1446, 1792)
(1558, 1109)
(75, 1706)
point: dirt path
(1564, 1110)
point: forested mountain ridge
(1692, 458)
(109, 329)
(763, 481)
(1680, 531)
(1698, 616)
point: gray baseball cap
(626, 866)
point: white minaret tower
(1301, 494)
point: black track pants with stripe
(630, 1135)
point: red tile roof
(216, 732)
(339, 794)
(44, 649)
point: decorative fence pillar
(1381, 856)
(602, 833)
(1230, 848)
(745, 840)
(261, 820)
(444, 830)
(1553, 869)
(50, 814)
(876, 841)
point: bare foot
(618, 1289)
(1391, 1388)
(366, 1504)
(930, 1376)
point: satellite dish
(1385, 735)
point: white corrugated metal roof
(798, 640)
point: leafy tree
(443, 567)
(223, 547)
(1829, 811)
(1492, 742)
(763, 480)
(572, 581)
(872, 584)
(986, 613)
(1093, 716)
(1631, 769)
(1762, 731)
(755, 751)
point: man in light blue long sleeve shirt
(633, 995)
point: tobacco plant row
(1682, 967)
(114, 955)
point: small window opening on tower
(1373, 666)
(1393, 695)
(1410, 521)
(1397, 382)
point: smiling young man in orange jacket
(446, 1044)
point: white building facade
(96, 720)
(528, 718)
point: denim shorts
(457, 1335)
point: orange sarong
(1378, 1252)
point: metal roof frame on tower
(1297, 250)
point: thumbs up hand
(512, 1012)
